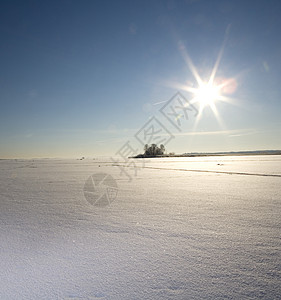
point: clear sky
(80, 78)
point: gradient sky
(80, 78)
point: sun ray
(207, 93)
(200, 110)
(194, 127)
(214, 71)
(182, 87)
(178, 86)
(217, 115)
(191, 66)
(229, 100)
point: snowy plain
(183, 228)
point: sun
(211, 90)
(206, 94)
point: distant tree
(154, 150)
(162, 148)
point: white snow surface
(176, 231)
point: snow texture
(183, 228)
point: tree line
(154, 150)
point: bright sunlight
(207, 94)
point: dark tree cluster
(154, 150)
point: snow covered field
(174, 232)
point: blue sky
(80, 78)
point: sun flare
(207, 94)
